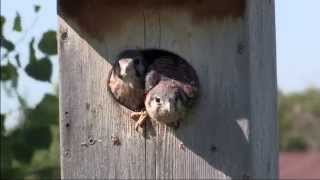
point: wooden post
(231, 132)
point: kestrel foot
(136, 115)
(141, 116)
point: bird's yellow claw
(140, 117)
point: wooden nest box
(232, 131)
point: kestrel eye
(157, 99)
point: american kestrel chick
(171, 85)
(166, 102)
(126, 81)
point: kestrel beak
(125, 66)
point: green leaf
(14, 83)
(49, 106)
(40, 69)
(22, 101)
(17, 23)
(48, 43)
(2, 21)
(297, 143)
(21, 150)
(2, 118)
(32, 52)
(45, 113)
(50, 171)
(8, 72)
(38, 137)
(17, 58)
(36, 8)
(7, 44)
(6, 159)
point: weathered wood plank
(212, 49)
(263, 89)
(221, 118)
(89, 112)
(152, 40)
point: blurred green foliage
(17, 23)
(299, 120)
(48, 43)
(31, 149)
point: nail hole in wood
(64, 35)
(67, 153)
(182, 147)
(241, 48)
(87, 106)
(213, 148)
(92, 141)
(115, 140)
(246, 177)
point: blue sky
(298, 44)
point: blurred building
(304, 165)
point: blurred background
(29, 88)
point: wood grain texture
(263, 89)
(91, 112)
(231, 132)
(210, 143)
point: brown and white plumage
(172, 88)
(166, 102)
(160, 82)
(126, 81)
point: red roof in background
(299, 165)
